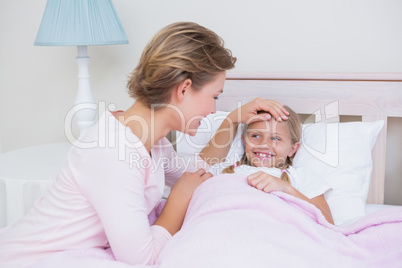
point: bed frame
(371, 97)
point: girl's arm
(318, 201)
(218, 147)
(269, 183)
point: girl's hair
(180, 51)
(293, 127)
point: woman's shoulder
(163, 147)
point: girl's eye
(275, 138)
(255, 136)
(216, 98)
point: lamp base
(85, 107)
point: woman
(103, 196)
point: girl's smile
(264, 156)
(268, 144)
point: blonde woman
(103, 196)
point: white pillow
(189, 146)
(340, 153)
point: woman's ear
(183, 89)
(294, 149)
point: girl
(102, 196)
(270, 147)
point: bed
(326, 98)
(369, 96)
(229, 224)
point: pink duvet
(230, 224)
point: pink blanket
(230, 224)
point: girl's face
(268, 144)
(200, 103)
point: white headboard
(371, 96)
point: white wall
(38, 84)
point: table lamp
(81, 23)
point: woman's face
(268, 144)
(200, 103)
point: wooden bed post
(377, 184)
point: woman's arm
(117, 191)
(218, 147)
(172, 215)
(269, 183)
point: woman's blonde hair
(293, 127)
(182, 50)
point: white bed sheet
(371, 208)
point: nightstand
(25, 175)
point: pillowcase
(339, 153)
(189, 146)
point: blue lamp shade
(80, 23)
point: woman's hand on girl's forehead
(274, 109)
(259, 110)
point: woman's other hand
(189, 181)
(172, 215)
(259, 110)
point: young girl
(102, 196)
(270, 147)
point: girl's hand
(268, 183)
(188, 182)
(254, 111)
